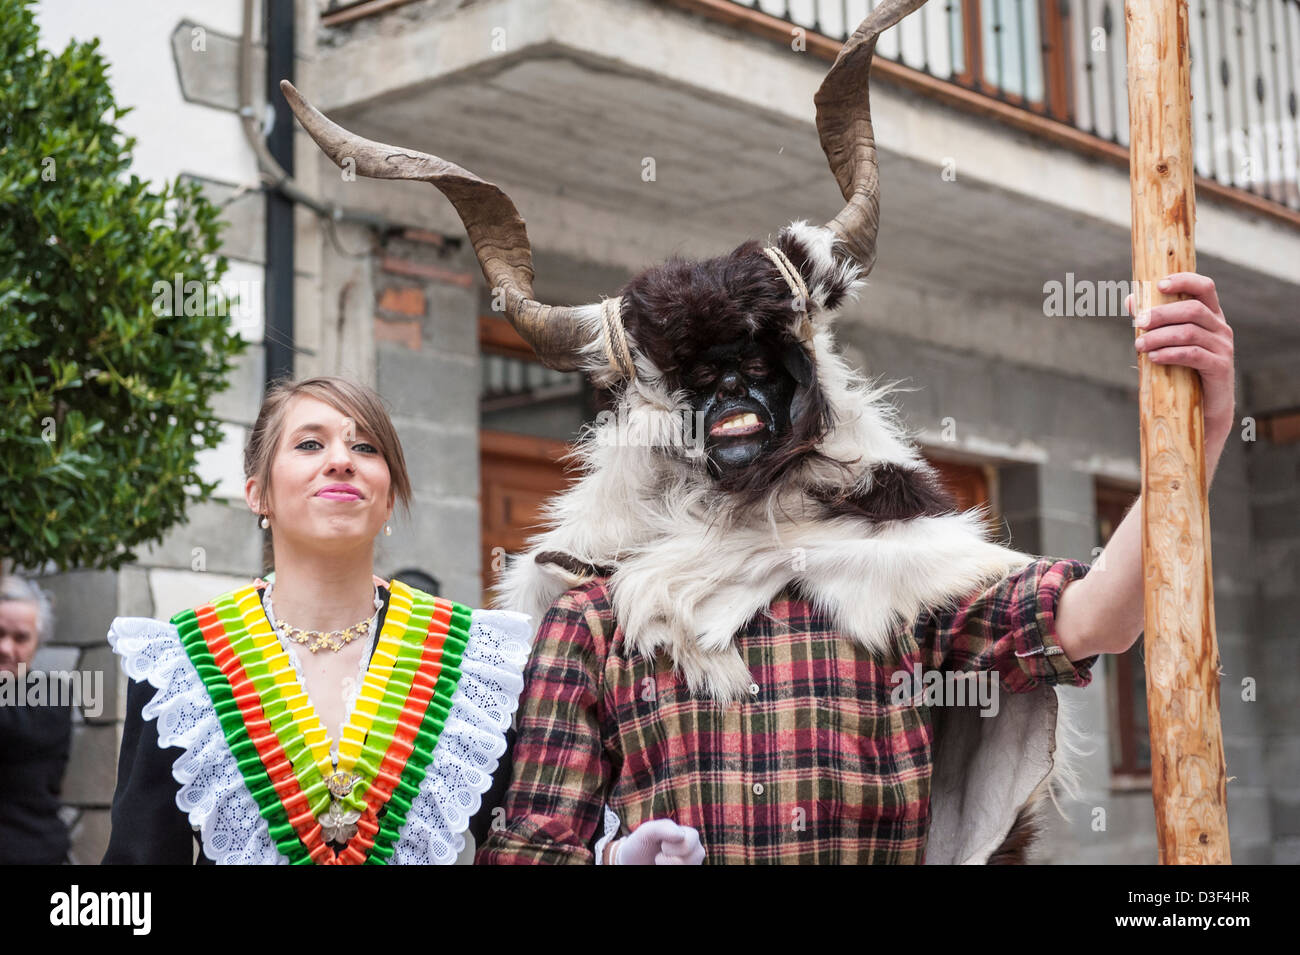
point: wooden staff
(1188, 780)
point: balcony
(1065, 61)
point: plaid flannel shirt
(819, 765)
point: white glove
(659, 842)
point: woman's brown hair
(355, 400)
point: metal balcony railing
(1065, 59)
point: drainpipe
(275, 162)
(278, 335)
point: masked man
(756, 602)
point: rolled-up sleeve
(1009, 627)
(553, 807)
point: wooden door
(517, 475)
(968, 483)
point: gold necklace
(316, 640)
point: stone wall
(426, 359)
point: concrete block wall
(425, 330)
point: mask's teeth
(736, 422)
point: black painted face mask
(744, 390)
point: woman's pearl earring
(265, 522)
(388, 531)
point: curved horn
(495, 228)
(844, 125)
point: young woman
(322, 715)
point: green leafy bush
(105, 384)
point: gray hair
(26, 591)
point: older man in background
(34, 739)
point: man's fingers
(693, 856)
(1206, 362)
(659, 829)
(1191, 335)
(1187, 312)
(682, 842)
(692, 852)
(685, 848)
(1191, 283)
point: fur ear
(830, 275)
(799, 363)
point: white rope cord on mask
(791, 276)
(617, 352)
(797, 289)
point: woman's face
(330, 485)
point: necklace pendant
(340, 784)
(337, 823)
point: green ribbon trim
(426, 741)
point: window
(1015, 49)
(1012, 47)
